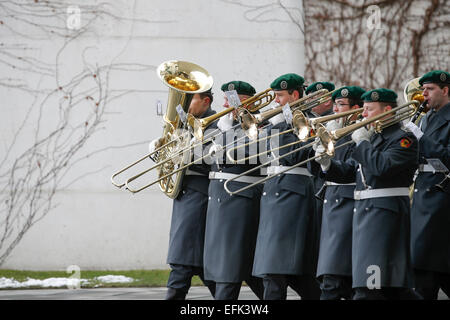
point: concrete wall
(94, 225)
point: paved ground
(196, 293)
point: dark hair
(352, 102)
(442, 85)
(208, 94)
(299, 89)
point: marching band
(337, 193)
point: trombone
(259, 101)
(328, 139)
(379, 122)
(250, 122)
(301, 124)
(175, 171)
(199, 126)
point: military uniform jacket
(430, 214)
(187, 228)
(335, 253)
(285, 243)
(231, 224)
(381, 226)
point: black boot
(175, 294)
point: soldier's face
(372, 109)
(435, 96)
(198, 105)
(282, 97)
(242, 97)
(341, 105)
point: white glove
(316, 143)
(277, 119)
(362, 134)
(212, 153)
(333, 125)
(214, 149)
(411, 126)
(225, 122)
(154, 144)
(324, 160)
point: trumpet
(328, 139)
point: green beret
(380, 95)
(436, 76)
(241, 87)
(319, 85)
(352, 92)
(287, 81)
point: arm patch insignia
(405, 143)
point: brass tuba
(413, 91)
(184, 79)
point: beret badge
(344, 92)
(374, 96)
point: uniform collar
(207, 113)
(444, 112)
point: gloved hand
(277, 119)
(155, 144)
(324, 160)
(213, 153)
(411, 126)
(333, 125)
(316, 143)
(225, 122)
(362, 134)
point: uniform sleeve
(341, 171)
(435, 149)
(286, 139)
(402, 153)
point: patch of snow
(60, 282)
(46, 283)
(111, 279)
